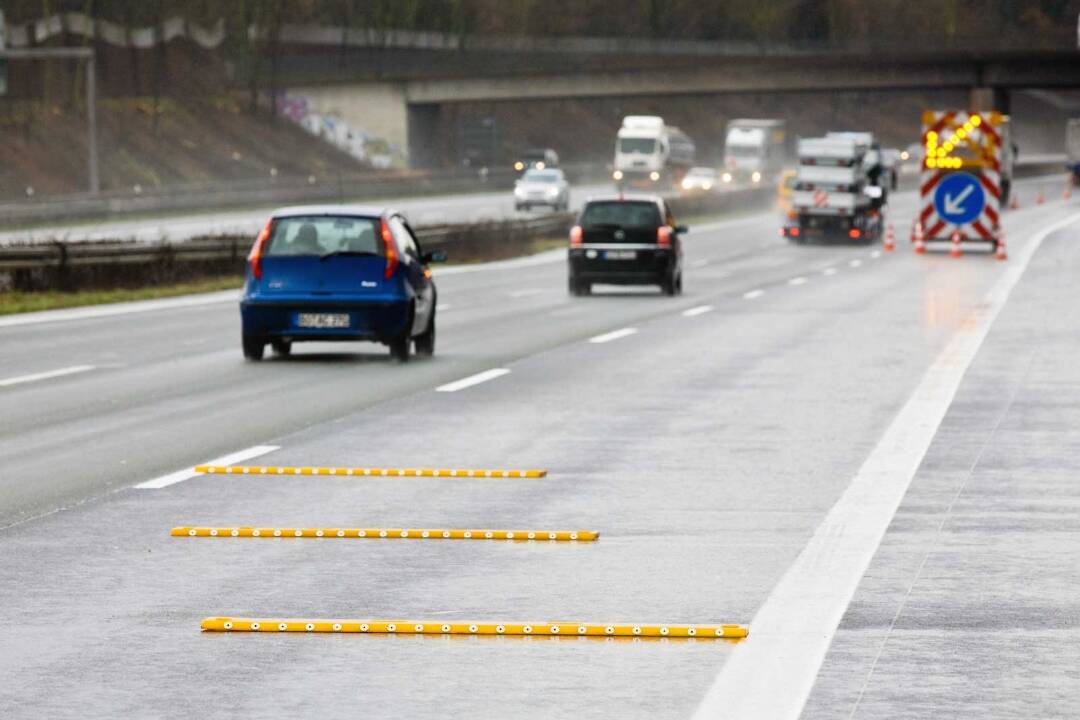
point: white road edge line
(613, 335)
(753, 294)
(8, 382)
(797, 281)
(699, 310)
(771, 675)
(188, 473)
(473, 380)
(120, 308)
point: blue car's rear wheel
(253, 347)
(425, 342)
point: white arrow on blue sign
(959, 198)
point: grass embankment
(21, 302)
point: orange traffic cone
(890, 239)
(1040, 198)
(1001, 253)
(1014, 204)
(920, 243)
(955, 251)
(1067, 193)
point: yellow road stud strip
(414, 627)
(385, 533)
(366, 471)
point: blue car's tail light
(255, 258)
(389, 249)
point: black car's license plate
(620, 255)
(322, 320)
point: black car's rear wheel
(254, 347)
(579, 287)
(670, 284)
(425, 342)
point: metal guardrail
(59, 255)
(337, 187)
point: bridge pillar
(989, 98)
(423, 132)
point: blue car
(338, 273)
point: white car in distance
(546, 187)
(699, 178)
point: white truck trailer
(649, 153)
(754, 150)
(834, 196)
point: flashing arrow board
(959, 199)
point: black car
(626, 241)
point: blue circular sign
(959, 198)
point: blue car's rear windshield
(627, 214)
(319, 235)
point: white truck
(754, 150)
(835, 196)
(650, 153)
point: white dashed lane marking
(829, 271)
(188, 473)
(753, 294)
(476, 379)
(699, 310)
(797, 281)
(855, 263)
(614, 335)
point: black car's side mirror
(682, 229)
(434, 256)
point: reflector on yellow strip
(547, 629)
(367, 471)
(384, 533)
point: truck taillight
(577, 236)
(388, 249)
(663, 237)
(854, 233)
(255, 257)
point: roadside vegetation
(12, 302)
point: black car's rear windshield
(322, 234)
(625, 214)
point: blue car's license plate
(322, 320)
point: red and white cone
(1067, 193)
(1040, 198)
(1001, 253)
(920, 241)
(955, 251)
(1014, 204)
(890, 238)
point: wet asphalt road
(705, 447)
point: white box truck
(754, 150)
(649, 153)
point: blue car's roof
(332, 210)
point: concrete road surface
(736, 447)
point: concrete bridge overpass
(407, 111)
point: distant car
(338, 273)
(699, 178)
(542, 187)
(539, 158)
(629, 240)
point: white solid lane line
(699, 310)
(829, 271)
(614, 335)
(855, 263)
(753, 294)
(188, 473)
(472, 380)
(8, 382)
(771, 675)
(122, 308)
(797, 281)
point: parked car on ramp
(338, 273)
(626, 241)
(542, 187)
